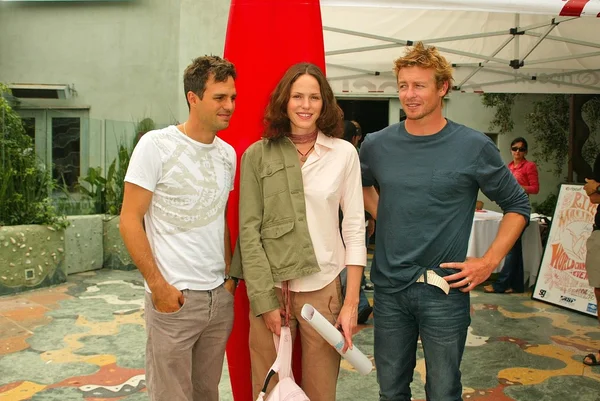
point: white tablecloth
(485, 228)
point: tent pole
(571, 137)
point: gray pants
(185, 349)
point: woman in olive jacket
(293, 183)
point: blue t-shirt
(428, 189)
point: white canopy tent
(544, 48)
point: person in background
(293, 183)
(353, 135)
(370, 223)
(592, 258)
(511, 278)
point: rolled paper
(333, 336)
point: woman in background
(511, 277)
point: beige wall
(124, 59)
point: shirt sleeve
(255, 265)
(498, 184)
(233, 167)
(365, 165)
(353, 222)
(533, 186)
(145, 165)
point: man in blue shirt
(429, 171)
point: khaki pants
(320, 361)
(185, 349)
(592, 259)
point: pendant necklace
(301, 139)
(304, 156)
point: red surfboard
(264, 38)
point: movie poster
(562, 279)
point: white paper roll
(332, 335)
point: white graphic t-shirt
(185, 221)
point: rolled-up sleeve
(497, 183)
(353, 223)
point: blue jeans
(512, 273)
(442, 322)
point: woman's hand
(346, 322)
(272, 320)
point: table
(484, 230)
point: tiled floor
(85, 341)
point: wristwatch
(228, 277)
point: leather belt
(434, 279)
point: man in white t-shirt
(173, 224)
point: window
(493, 137)
(66, 145)
(29, 125)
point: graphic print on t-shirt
(194, 188)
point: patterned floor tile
(85, 341)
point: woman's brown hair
(277, 122)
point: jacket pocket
(278, 243)
(274, 179)
(277, 230)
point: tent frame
(490, 62)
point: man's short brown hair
(426, 57)
(197, 74)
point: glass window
(66, 141)
(29, 125)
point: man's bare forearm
(371, 199)
(137, 244)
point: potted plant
(31, 232)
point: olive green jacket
(274, 244)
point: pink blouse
(527, 176)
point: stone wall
(31, 256)
(84, 244)
(116, 255)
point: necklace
(184, 131)
(304, 156)
(297, 139)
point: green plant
(115, 179)
(25, 184)
(548, 123)
(147, 124)
(503, 104)
(107, 192)
(547, 206)
(95, 188)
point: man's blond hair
(426, 57)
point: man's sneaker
(368, 287)
(364, 314)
